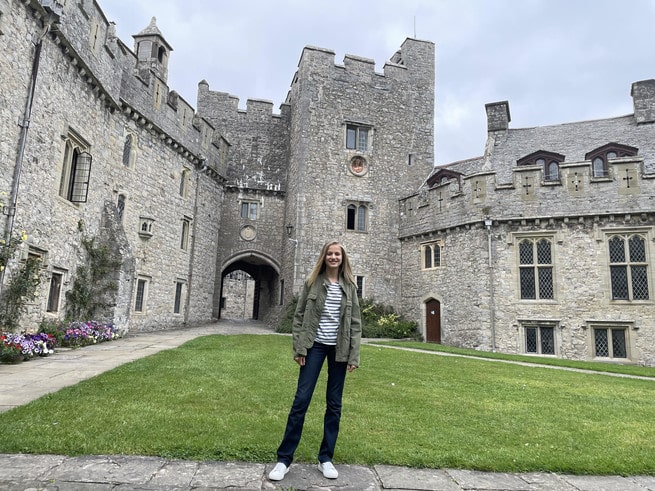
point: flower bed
(91, 332)
(17, 347)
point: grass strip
(227, 398)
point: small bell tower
(152, 52)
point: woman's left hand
(351, 367)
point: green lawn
(227, 398)
(540, 360)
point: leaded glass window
(628, 267)
(536, 269)
(540, 340)
(610, 342)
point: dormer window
(443, 176)
(548, 162)
(600, 157)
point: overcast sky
(555, 61)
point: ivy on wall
(94, 285)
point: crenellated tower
(359, 140)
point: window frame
(628, 264)
(53, 302)
(129, 150)
(76, 169)
(539, 326)
(121, 203)
(357, 217)
(185, 182)
(544, 160)
(354, 142)
(141, 290)
(535, 237)
(179, 297)
(433, 247)
(609, 327)
(249, 209)
(600, 156)
(360, 283)
(185, 234)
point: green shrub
(54, 327)
(380, 321)
(21, 289)
(287, 321)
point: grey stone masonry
(157, 165)
(643, 99)
(596, 225)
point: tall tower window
(76, 171)
(357, 217)
(357, 137)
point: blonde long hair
(344, 267)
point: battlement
(415, 58)
(224, 107)
(129, 82)
(458, 200)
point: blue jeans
(307, 378)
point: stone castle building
(542, 246)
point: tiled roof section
(574, 140)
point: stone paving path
(20, 384)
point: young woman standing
(326, 325)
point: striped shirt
(328, 325)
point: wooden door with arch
(433, 321)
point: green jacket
(308, 314)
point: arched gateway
(264, 272)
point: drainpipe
(10, 211)
(192, 246)
(488, 222)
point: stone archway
(259, 289)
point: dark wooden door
(433, 321)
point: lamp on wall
(488, 222)
(289, 230)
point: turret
(152, 52)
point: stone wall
(395, 107)
(80, 80)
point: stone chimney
(497, 116)
(643, 100)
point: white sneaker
(279, 471)
(328, 470)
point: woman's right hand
(300, 360)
